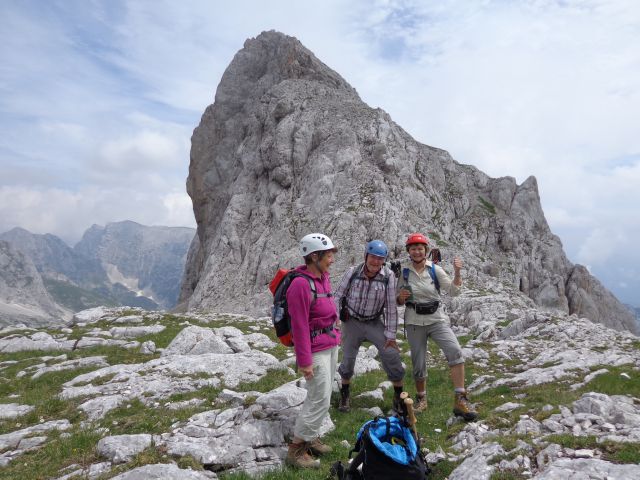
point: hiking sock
(344, 390)
(397, 391)
(460, 390)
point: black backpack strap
(355, 273)
(355, 463)
(344, 303)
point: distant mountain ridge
(148, 259)
(122, 263)
(23, 297)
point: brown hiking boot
(345, 403)
(462, 407)
(318, 448)
(421, 403)
(298, 456)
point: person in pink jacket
(315, 341)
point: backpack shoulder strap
(387, 275)
(355, 273)
(405, 274)
(312, 286)
(434, 277)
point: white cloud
(144, 151)
(68, 214)
(99, 99)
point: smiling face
(374, 263)
(326, 261)
(417, 252)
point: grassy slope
(79, 447)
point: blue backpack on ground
(387, 449)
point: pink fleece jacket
(307, 316)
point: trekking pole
(403, 397)
(411, 416)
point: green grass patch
(114, 355)
(621, 452)
(273, 379)
(486, 205)
(78, 448)
(189, 462)
(136, 417)
(613, 383)
(612, 451)
(42, 393)
(500, 475)
(567, 440)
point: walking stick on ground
(411, 417)
(403, 397)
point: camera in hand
(395, 267)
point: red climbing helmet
(417, 238)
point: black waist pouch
(427, 308)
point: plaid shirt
(368, 297)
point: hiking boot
(462, 407)
(398, 405)
(345, 403)
(318, 448)
(298, 456)
(421, 404)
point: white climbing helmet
(315, 242)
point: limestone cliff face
(289, 148)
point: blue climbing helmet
(377, 248)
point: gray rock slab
(476, 466)
(14, 410)
(195, 340)
(91, 315)
(122, 448)
(588, 469)
(137, 331)
(19, 344)
(213, 452)
(508, 407)
(160, 378)
(12, 439)
(164, 471)
(98, 361)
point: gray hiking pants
(354, 332)
(441, 333)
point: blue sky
(98, 100)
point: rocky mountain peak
(268, 60)
(289, 148)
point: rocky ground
(134, 394)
